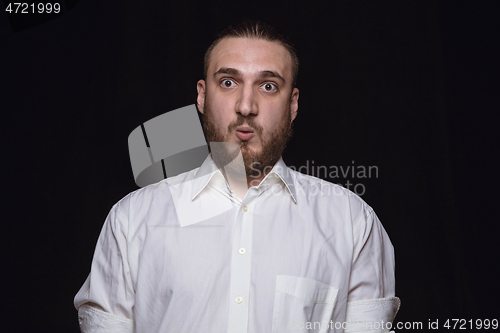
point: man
(243, 243)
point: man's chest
(252, 240)
(238, 264)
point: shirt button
(239, 299)
(242, 251)
(245, 208)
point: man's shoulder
(159, 191)
(315, 188)
(312, 184)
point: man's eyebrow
(230, 71)
(261, 74)
(267, 74)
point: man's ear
(294, 103)
(201, 95)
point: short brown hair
(257, 30)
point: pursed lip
(244, 129)
(244, 133)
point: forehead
(251, 55)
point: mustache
(248, 121)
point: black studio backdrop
(410, 87)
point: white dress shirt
(297, 254)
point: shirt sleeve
(107, 296)
(371, 302)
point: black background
(408, 86)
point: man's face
(248, 99)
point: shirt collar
(205, 174)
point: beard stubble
(272, 145)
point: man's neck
(240, 186)
(238, 180)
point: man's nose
(247, 102)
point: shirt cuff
(371, 315)
(94, 320)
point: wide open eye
(270, 87)
(227, 83)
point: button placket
(241, 269)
